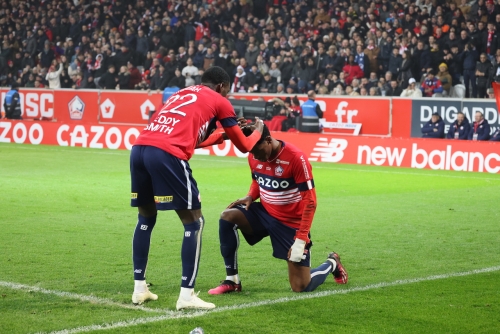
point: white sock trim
(234, 278)
(186, 293)
(140, 286)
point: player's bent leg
(230, 221)
(298, 276)
(140, 251)
(305, 279)
(190, 256)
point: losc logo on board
(76, 108)
(107, 109)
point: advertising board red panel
(68, 134)
(123, 107)
(401, 118)
(436, 154)
(372, 113)
(76, 106)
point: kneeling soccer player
(283, 180)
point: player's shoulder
(293, 152)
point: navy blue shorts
(282, 236)
(158, 176)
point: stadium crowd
(359, 47)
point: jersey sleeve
(213, 139)
(227, 119)
(254, 191)
(225, 112)
(302, 173)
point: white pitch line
(182, 315)
(85, 298)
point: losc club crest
(76, 108)
(278, 170)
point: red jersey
(186, 119)
(285, 186)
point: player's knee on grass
(298, 276)
(298, 285)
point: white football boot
(193, 303)
(139, 297)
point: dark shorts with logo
(263, 225)
(158, 176)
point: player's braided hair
(249, 129)
(215, 75)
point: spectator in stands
(484, 74)
(433, 128)
(412, 90)
(445, 79)
(311, 108)
(123, 78)
(394, 89)
(431, 85)
(240, 81)
(480, 129)
(108, 80)
(178, 80)
(254, 79)
(395, 62)
(352, 71)
(54, 74)
(460, 128)
(189, 72)
(469, 69)
(268, 85)
(405, 71)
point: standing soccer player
(162, 180)
(283, 180)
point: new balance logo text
(332, 151)
(184, 278)
(144, 227)
(187, 234)
(138, 271)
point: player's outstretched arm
(213, 139)
(219, 137)
(243, 143)
(296, 252)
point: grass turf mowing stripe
(85, 298)
(172, 315)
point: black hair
(215, 75)
(248, 130)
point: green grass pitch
(66, 231)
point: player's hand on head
(246, 201)
(296, 252)
(259, 125)
(242, 122)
